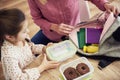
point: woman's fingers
(117, 12)
(112, 8)
(65, 29)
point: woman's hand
(62, 29)
(111, 8)
(45, 65)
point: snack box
(73, 64)
(61, 51)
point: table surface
(111, 72)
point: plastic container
(73, 64)
(61, 51)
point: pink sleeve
(37, 16)
(100, 4)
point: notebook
(81, 37)
(93, 35)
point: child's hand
(45, 65)
(45, 47)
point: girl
(16, 53)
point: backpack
(109, 42)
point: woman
(57, 18)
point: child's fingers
(44, 57)
(49, 44)
(44, 49)
(55, 63)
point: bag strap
(105, 62)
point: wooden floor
(113, 69)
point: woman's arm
(99, 4)
(104, 5)
(38, 17)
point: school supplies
(93, 35)
(88, 36)
(81, 37)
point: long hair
(10, 23)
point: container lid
(61, 51)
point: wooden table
(111, 72)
